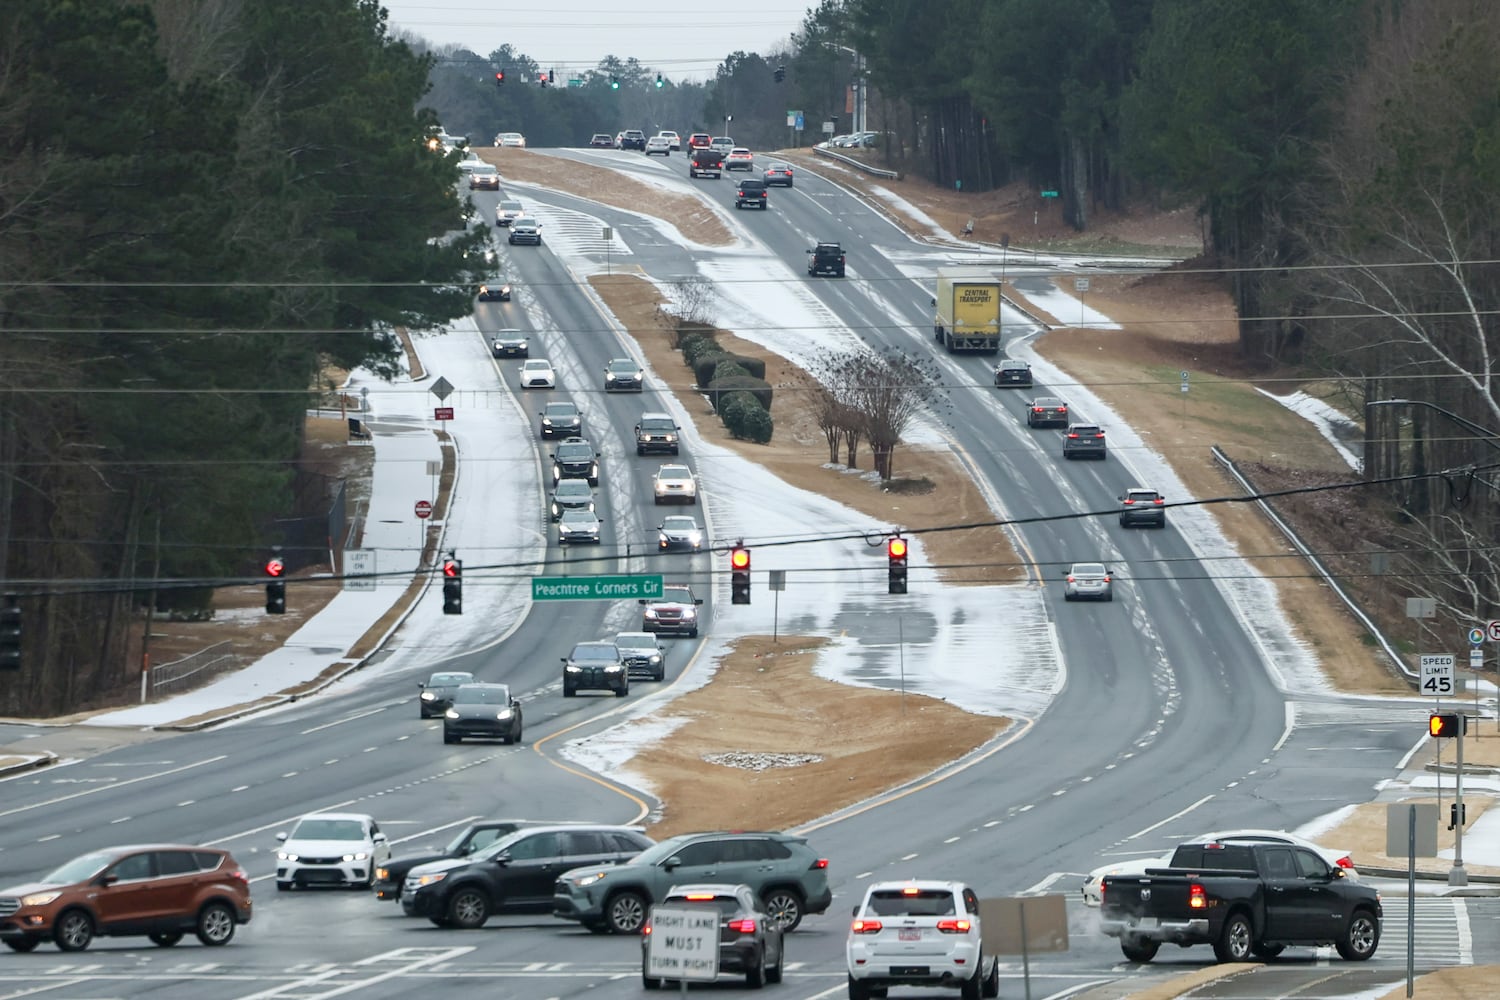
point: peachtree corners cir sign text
(595, 588)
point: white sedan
(538, 374)
(514, 140)
(1092, 892)
(659, 144)
(675, 484)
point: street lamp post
(727, 120)
(859, 86)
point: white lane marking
(1044, 884)
(50, 836)
(115, 784)
(1073, 990)
(1176, 815)
(290, 774)
(340, 722)
(908, 857)
(951, 840)
(993, 822)
(122, 819)
(186, 802)
(238, 788)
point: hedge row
(745, 417)
(735, 385)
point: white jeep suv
(331, 849)
(919, 933)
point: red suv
(700, 140)
(161, 891)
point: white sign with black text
(1436, 677)
(684, 943)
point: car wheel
(468, 908)
(1266, 952)
(215, 924)
(858, 990)
(785, 907)
(1109, 597)
(639, 451)
(24, 943)
(693, 634)
(660, 675)
(440, 921)
(991, 987)
(773, 972)
(517, 737)
(755, 976)
(622, 692)
(1067, 597)
(283, 886)
(625, 912)
(569, 691)
(1137, 949)
(971, 988)
(73, 931)
(1234, 939)
(1361, 937)
(447, 738)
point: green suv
(788, 876)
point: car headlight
(689, 613)
(572, 668)
(594, 470)
(546, 421)
(285, 856)
(503, 714)
(452, 713)
(557, 472)
(359, 856)
(650, 613)
(655, 657)
(670, 438)
(39, 898)
(432, 879)
(609, 376)
(428, 696)
(384, 874)
(591, 506)
(613, 667)
(583, 881)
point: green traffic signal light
(658, 81)
(614, 83)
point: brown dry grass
(797, 451)
(765, 698)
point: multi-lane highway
(1169, 723)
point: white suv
(331, 849)
(919, 933)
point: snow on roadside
(1328, 420)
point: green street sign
(575, 81)
(595, 588)
(1049, 194)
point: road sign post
(683, 944)
(596, 588)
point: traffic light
(1458, 814)
(552, 76)
(1444, 725)
(10, 632)
(780, 73)
(895, 550)
(659, 82)
(453, 587)
(614, 83)
(499, 77)
(276, 587)
(739, 575)
(544, 81)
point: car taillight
(1038, 409)
(645, 930)
(865, 927)
(1196, 898)
(1106, 578)
(818, 865)
(1344, 862)
(1074, 436)
(1099, 435)
(1128, 502)
(1161, 501)
(954, 926)
(745, 926)
(239, 874)
(1070, 578)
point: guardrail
(169, 676)
(850, 161)
(1317, 564)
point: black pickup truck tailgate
(1160, 897)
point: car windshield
(623, 365)
(1089, 429)
(579, 517)
(482, 694)
(574, 452)
(905, 903)
(676, 595)
(329, 829)
(1048, 401)
(679, 524)
(1013, 365)
(1088, 569)
(449, 680)
(600, 137)
(777, 167)
(536, 366)
(511, 206)
(561, 410)
(1141, 495)
(525, 220)
(574, 488)
(657, 424)
(635, 640)
(596, 651)
(79, 869)
(673, 472)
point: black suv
(657, 432)
(752, 191)
(575, 458)
(595, 666)
(561, 419)
(788, 876)
(633, 139)
(515, 874)
(1084, 441)
(1139, 505)
(470, 840)
(826, 258)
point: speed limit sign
(1436, 678)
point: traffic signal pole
(1456, 874)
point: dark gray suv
(656, 433)
(595, 666)
(788, 876)
(1084, 441)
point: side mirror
(698, 600)
(422, 684)
(934, 302)
(515, 703)
(281, 838)
(672, 863)
(564, 659)
(108, 879)
(855, 911)
(637, 428)
(502, 859)
(379, 838)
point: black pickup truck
(705, 162)
(1247, 900)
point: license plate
(912, 934)
(1147, 924)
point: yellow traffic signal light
(1444, 725)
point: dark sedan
(1047, 411)
(778, 174)
(623, 375)
(474, 837)
(437, 692)
(750, 942)
(510, 344)
(494, 292)
(680, 532)
(1012, 372)
(485, 711)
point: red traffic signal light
(1445, 725)
(739, 576)
(276, 586)
(499, 77)
(275, 567)
(452, 568)
(895, 550)
(453, 587)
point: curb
(43, 759)
(1430, 876)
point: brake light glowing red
(818, 865)
(745, 926)
(910, 890)
(1038, 409)
(1344, 862)
(863, 926)
(954, 926)
(239, 874)
(646, 929)
(1074, 436)
(1197, 900)
(1160, 500)
(699, 897)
